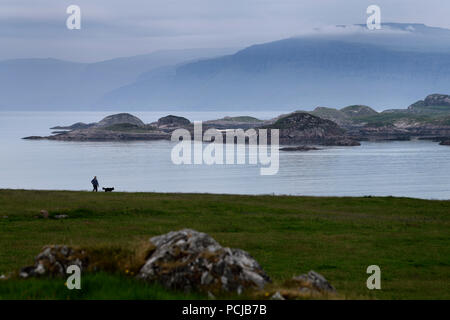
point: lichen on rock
(190, 260)
(54, 261)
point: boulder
(54, 261)
(190, 260)
(277, 296)
(310, 285)
(445, 143)
(44, 214)
(313, 282)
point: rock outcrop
(190, 260)
(305, 128)
(437, 100)
(120, 118)
(171, 121)
(433, 100)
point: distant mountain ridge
(302, 71)
(350, 65)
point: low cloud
(145, 26)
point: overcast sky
(113, 28)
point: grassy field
(338, 237)
(98, 286)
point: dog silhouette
(108, 189)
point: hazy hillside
(51, 84)
(302, 72)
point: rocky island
(295, 128)
(425, 119)
(118, 127)
(305, 128)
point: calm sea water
(418, 169)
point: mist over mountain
(327, 69)
(334, 67)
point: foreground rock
(190, 260)
(182, 260)
(54, 261)
(310, 285)
(44, 214)
(314, 282)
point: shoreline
(305, 196)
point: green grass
(338, 237)
(383, 119)
(98, 286)
(431, 109)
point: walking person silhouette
(95, 184)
